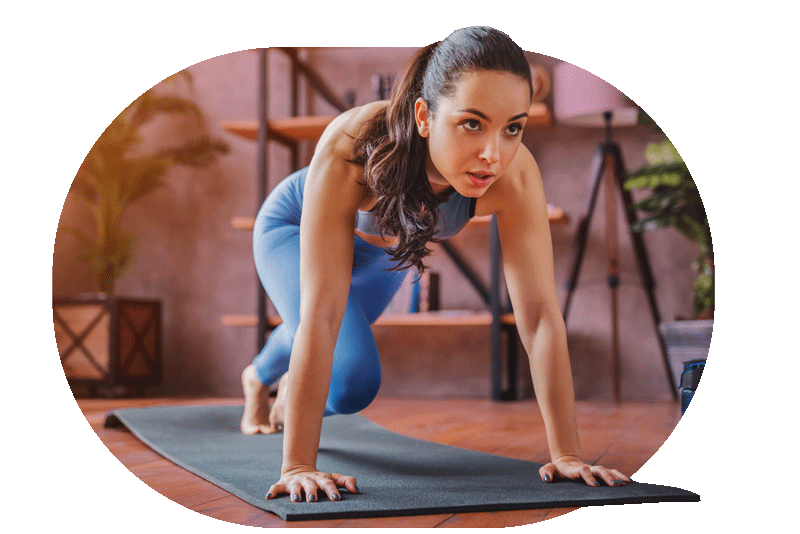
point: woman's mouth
(479, 178)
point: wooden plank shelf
(539, 117)
(295, 128)
(435, 318)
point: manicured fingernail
(296, 497)
(336, 496)
(312, 498)
(546, 478)
(269, 495)
(357, 490)
(615, 482)
(595, 483)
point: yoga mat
(397, 475)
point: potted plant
(103, 338)
(673, 201)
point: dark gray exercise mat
(397, 475)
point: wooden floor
(624, 436)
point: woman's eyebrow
(484, 117)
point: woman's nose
(490, 152)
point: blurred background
(194, 258)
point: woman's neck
(439, 183)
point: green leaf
(666, 175)
(651, 224)
(661, 153)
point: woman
(386, 179)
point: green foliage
(674, 202)
(112, 178)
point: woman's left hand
(571, 467)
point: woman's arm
(524, 229)
(331, 198)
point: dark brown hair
(394, 154)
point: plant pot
(108, 341)
(686, 341)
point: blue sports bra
(454, 214)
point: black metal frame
(265, 134)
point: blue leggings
(356, 374)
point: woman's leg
(277, 256)
(356, 375)
(276, 248)
(356, 372)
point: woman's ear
(421, 116)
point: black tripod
(608, 161)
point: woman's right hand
(308, 480)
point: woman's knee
(356, 373)
(352, 397)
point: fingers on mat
(348, 483)
(547, 472)
(586, 475)
(275, 490)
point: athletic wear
(356, 372)
(453, 216)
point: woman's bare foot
(256, 404)
(276, 415)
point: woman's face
(474, 133)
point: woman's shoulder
(333, 161)
(342, 131)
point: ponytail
(394, 155)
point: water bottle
(690, 378)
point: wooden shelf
(556, 215)
(443, 318)
(243, 320)
(243, 223)
(436, 318)
(538, 117)
(294, 128)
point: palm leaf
(152, 105)
(197, 152)
(145, 177)
(114, 175)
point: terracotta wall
(191, 258)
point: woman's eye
(514, 129)
(471, 124)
